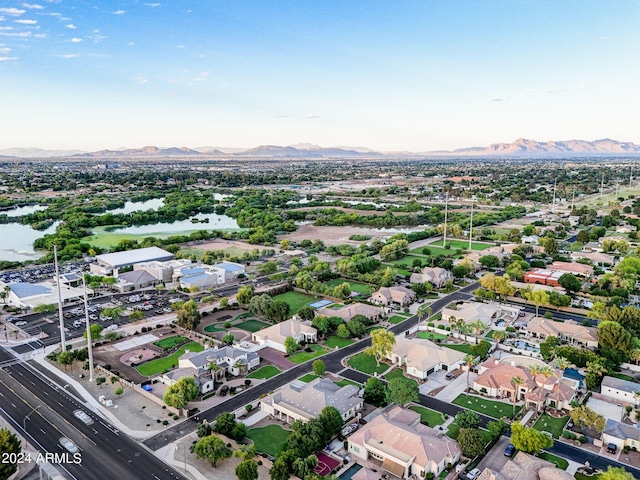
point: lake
(129, 207)
(17, 241)
(216, 222)
(20, 211)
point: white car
(84, 416)
(473, 474)
(22, 323)
(68, 444)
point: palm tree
(535, 370)
(516, 381)
(561, 363)
(477, 326)
(470, 362)
(423, 311)
(499, 335)
(634, 355)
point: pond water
(17, 241)
(129, 207)
(216, 222)
(26, 210)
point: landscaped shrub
(431, 324)
(582, 439)
(227, 324)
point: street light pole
(184, 451)
(24, 424)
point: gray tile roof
(619, 384)
(621, 430)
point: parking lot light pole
(86, 319)
(24, 424)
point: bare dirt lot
(332, 235)
(220, 244)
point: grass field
(463, 245)
(334, 341)
(454, 430)
(170, 342)
(547, 423)
(309, 377)
(302, 356)
(489, 408)
(431, 336)
(366, 363)
(251, 325)
(355, 286)
(397, 271)
(159, 365)
(270, 439)
(435, 251)
(397, 319)
(560, 462)
(345, 382)
(407, 260)
(398, 373)
(461, 347)
(428, 417)
(265, 372)
(215, 327)
(296, 300)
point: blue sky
(402, 75)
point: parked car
(449, 376)
(223, 390)
(510, 450)
(21, 323)
(473, 474)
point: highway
(43, 412)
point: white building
(620, 390)
(275, 335)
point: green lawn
(582, 476)
(461, 347)
(265, 372)
(251, 325)
(454, 430)
(345, 382)
(559, 462)
(170, 342)
(398, 373)
(355, 286)
(397, 319)
(431, 336)
(309, 377)
(397, 271)
(302, 356)
(334, 341)
(215, 327)
(243, 315)
(547, 423)
(296, 300)
(428, 417)
(159, 365)
(366, 363)
(375, 327)
(463, 245)
(435, 251)
(407, 260)
(489, 408)
(270, 439)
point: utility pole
(444, 240)
(471, 225)
(63, 343)
(553, 203)
(573, 197)
(602, 185)
(86, 319)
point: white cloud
(12, 11)
(4, 50)
(69, 55)
(71, 26)
(153, 5)
(131, 44)
(76, 40)
(27, 22)
(7, 59)
(6, 28)
(16, 34)
(312, 116)
(33, 6)
(55, 14)
(118, 12)
(140, 80)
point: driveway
(276, 358)
(495, 459)
(455, 387)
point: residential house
(347, 312)
(530, 239)
(275, 335)
(202, 375)
(578, 269)
(387, 296)
(423, 357)
(542, 276)
(622, 391)
(598, 258)
(488, 313)
(537, 391)
(621, 434)
(304, 401)
(568, 332)
(435, 275)
(228, 359)
(398, 443)
(523, 467)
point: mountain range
(520, 147)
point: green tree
(65, 358)
(585, 417)
(331, 421)
(529, 440)
(516, 382)
(423, 312)
(548, 347)
(375, 391)
(613, 335)
(343, 332)
(570, 282)
(470, 362)
(228, 339)
(225, 423)
(9, 443)
(468, 419)
(489, 261)
(290, 345)
(321, 323)
(356, 328)
(279, 470)
(471, 442)
(247, 470)
(278, 310)
(224, 302)
(134, 316)
(539, 297)
(181, 392)
(245, 452)
(244, 294)
(401, 391)
(497, 428)
(189, 315)
(382, 342)
(307, 313)
(319, 368)
(615, 473)
(212, 448)
(96, 332)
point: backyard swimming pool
(350, 472)
(522, 345)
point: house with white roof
(435, 275)
(568, 332)
(275, 335)
(347, 312)
(398, 443)
(229, 359)
(488, 313)
(620, 390)
(401, 296)
(422, 357)
(303, 401)
(111, 263)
